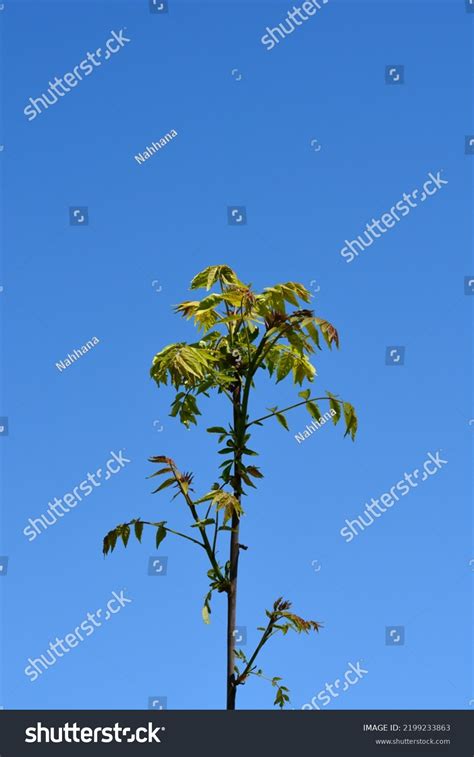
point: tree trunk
(232, 612)
(233, 572)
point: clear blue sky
(239, 142)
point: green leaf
(350, 418)
(113, 536)
(207, 278)
(210, 302)
(125, 534)
(138, 529)
(282, 420)
(206, 498)
(285, 364)
(228, 503)
(314, 333)
(201, 523)
(110, 540)
(245, 477)
(334, 405)
(279, 699)
(304, 394)
(314, 411)
(303, 369)
(205, 615)
(255, 472)
(164, 485)
(250, 452)
(160, 472)
(160, 534)
(328, 331)
(216, 430)
(106, 544)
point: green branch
(291, 407)
(189, 538)
(165, 528)
(202, 529)
(265, 637)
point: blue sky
(243, 142)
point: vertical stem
(234, 563)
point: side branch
(280, 618)
(267, 633)
(123, 530)
(291, 407)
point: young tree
(243, 332)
